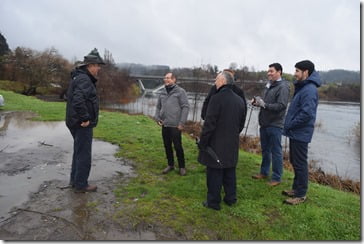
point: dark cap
(92, 58)
(305, 65)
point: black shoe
(229, 203)
(206, 205)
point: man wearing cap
(299, 127)
(219, 142)
(273, 107)
(81, 117)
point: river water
(334, 147)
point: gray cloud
(189, 33)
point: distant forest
(340, 76)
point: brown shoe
(166, 170)
(88, 188)
(289, 193)
(295, 200)
(274, 183)
(182, 171)
(259, 176)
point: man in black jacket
(213, 91)
(81, 117)
(273, 107)
(219, 143)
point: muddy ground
(35, 162)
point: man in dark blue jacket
(219, 143)
(299, 125)
(81, 117)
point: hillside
(340, 76)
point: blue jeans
(270, 141)
(81, 160)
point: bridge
(152, 85)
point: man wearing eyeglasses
(171, 114)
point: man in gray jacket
(273, 107)
(171, 114)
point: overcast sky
(186, 33)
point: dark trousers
(216, 178)
(81, 160)
(173, 135)
(298, 157)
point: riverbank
(173, 203)
(252, 144)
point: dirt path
(55, 214)
(35, 164)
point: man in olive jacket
(82, 113)
(219, 142)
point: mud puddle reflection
(35, 162)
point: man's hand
(253, 102)
(85, 124)
(180, 127)
(259, 102)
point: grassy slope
(175, 201)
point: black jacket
(82, 100)
(224, 121)
(213, 91)
(276, 100)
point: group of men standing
(224, 113)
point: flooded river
(334, 148)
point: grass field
(175, 202)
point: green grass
(175, 202)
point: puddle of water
(33, 152)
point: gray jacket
(276, 100)
(172, 108)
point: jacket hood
(314, 78)
(76, 72)
(81, 70)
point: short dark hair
(305, 65)
(277, 66)
(173, 76)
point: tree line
(49, 72)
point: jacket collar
(224, 87)
(83, 70)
